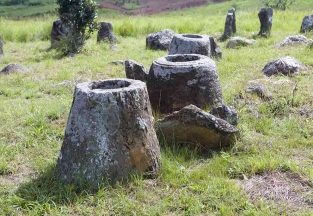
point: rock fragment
(195, 126)
(160, 40)
(134, 70)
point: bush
(278, 4)
(79, 16)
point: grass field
(277, 135)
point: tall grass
(26, 30)
(184, 21)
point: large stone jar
(175, 81)
(109, 133)
(190, 44)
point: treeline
(25, 2)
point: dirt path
(156, 6)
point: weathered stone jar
(190, 44)
(58, 30)
(175, 81)
(109, 133)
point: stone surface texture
(175, 81)
(266, 19)
(105, 33)
(190, 44)
(109, 134)
(307, 24)
(227, 113)
(58, 30)
(136, 71)
(11, 68)
(193, 125)
(230, 24)
(160, 40)
(295, 39)
(285, 65)
(236, 42)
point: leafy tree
(79, 16)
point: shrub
(278, 4)
(79, 16)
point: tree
(79, 16)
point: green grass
(34, 109)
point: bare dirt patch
(153, 6)
(284, 188)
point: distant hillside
(150, 6)
(26, 8)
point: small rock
(295, 39)
(64, 83)
(307, 24)
(260, 90)
(118, 62)
(193, 125)
(160, 40)
(235, 42)
(228, 113)
(285, 65)
(11, 68)
(114, 47)
(134, 70)
(266, 19)
(106, 33)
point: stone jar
(175, 81)
(190, 44)
(105, 32)
(109, 133)
(230, 24)
(266, 19)
(58, 30)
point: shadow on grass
(187, 152)
(48, 190)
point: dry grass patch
(284, 188)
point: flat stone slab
(12, 68)
(285, 65)
(291, 40)
(236, 42)
(193, 125)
